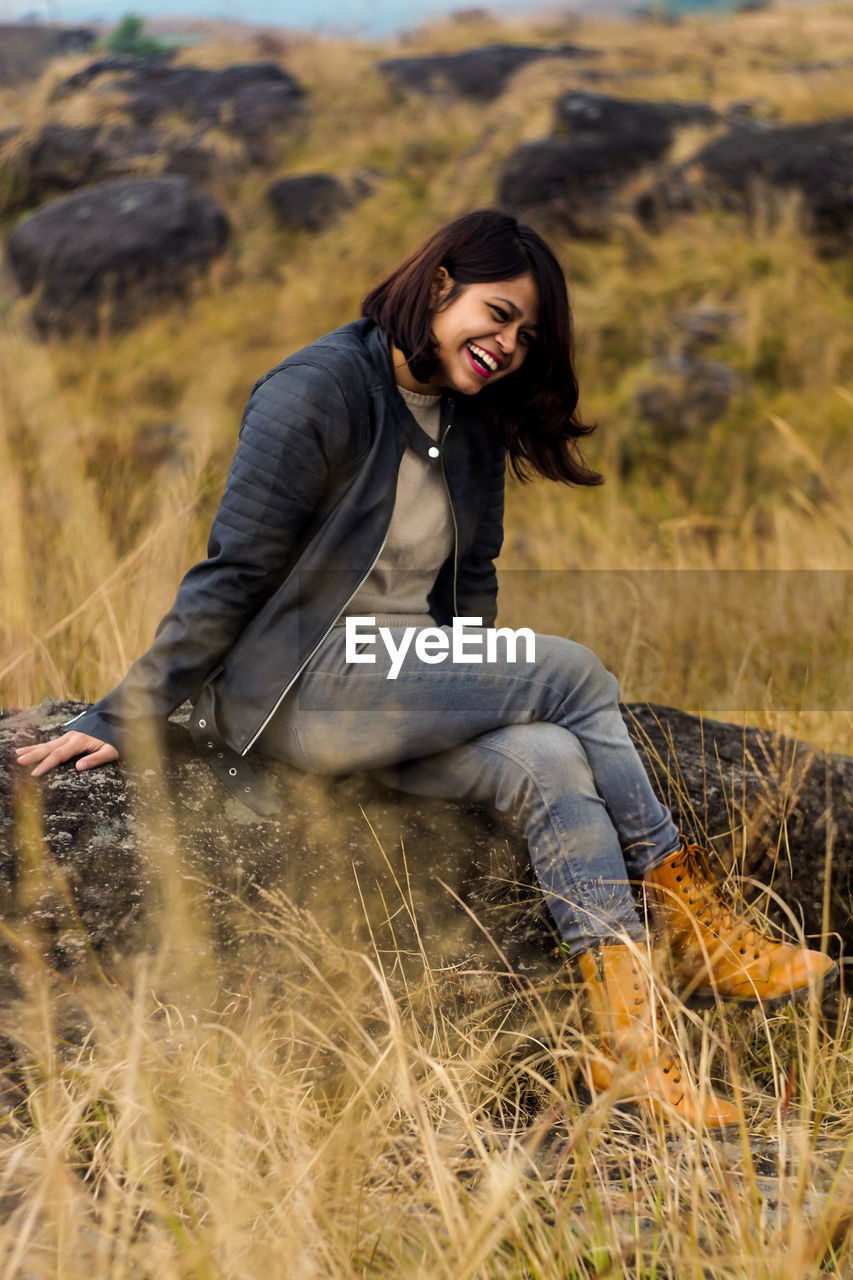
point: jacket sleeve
(477, 578)
(295, 431)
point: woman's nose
(506, 339)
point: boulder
(107, 253)
(570, 182)
(61, 158)
(600, 142)
(367, 862)
(691, 394)
(815, 160)
(26, 47)
(252, 101)
(737, 169)
(243, 97)
(597, 113)
(308, 201)
(481, 73)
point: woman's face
(484, 334)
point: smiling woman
(369, 481)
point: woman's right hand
(47, 755)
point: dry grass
(328, 1119)
(311, 1115)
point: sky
(366, 17)
(376, 17)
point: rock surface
(736, 170)
(481, 74)
(599, 143)
(352, 852)
(226, 119)
(308, 201)
(101, 256)
(600, 114)
(247, 98)
(26, 48)
(690, 395)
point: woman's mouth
(481, 360)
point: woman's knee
(580, 668)
(537, 761)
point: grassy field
(311, 1114)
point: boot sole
(710, 995)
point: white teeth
(486, 356)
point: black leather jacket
(304, 514)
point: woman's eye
(500, 314)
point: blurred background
(185, 200)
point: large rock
(308, 201)
(585, 113)
(62, 158)
(59, 159)
(569, 182)
(254, 102)
(109, 252)
(367, 862)
(474, 73)
(816, 160)
(689, 396)
(736, 170)
(599, 143)
(245, 97)
(26, 48)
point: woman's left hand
(46, 755)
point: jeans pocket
(280, 741)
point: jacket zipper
(450, 504)
(356, 590)
(298, 673)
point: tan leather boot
(717, 950)
(634, 1054)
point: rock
(156, 89)
(253, 101)
(481, 73)
(814, 160)
(113, 250)
(787, 804)
(597, 113)
(692, 394)
(123, 841)
(571, 180)
(308, 201)
(702, 327)
(26, 48)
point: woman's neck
(404, 378)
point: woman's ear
(440, 284)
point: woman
(368, 483)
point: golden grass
(333, 1120)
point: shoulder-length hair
(533, 411)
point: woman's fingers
(104, 754)
(47, 755)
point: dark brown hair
(534, 411)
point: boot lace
(711, 907)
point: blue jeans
(543, 741)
